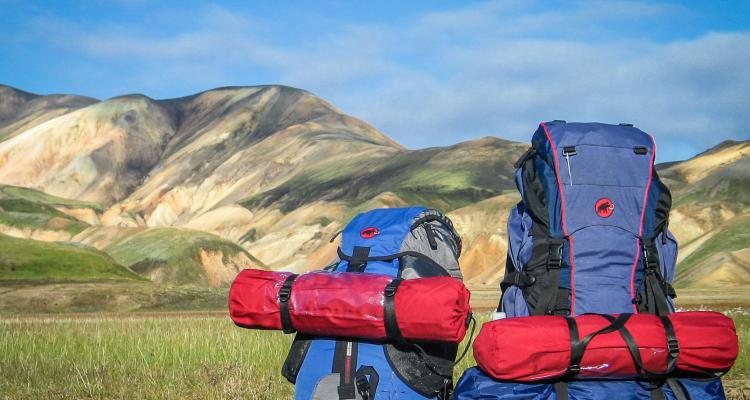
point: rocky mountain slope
(190, 190)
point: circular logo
(604, 207)
(369, 233)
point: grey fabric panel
(328, 388)
(446, 254)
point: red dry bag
(606, 346)
(357, 305)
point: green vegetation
(446, 178)
(735, 236)
(16, 192)
(31, 209)
(27, 298)
(25, 260)
(174, 251)
(21, 213)
(127, 357)
(175, 356)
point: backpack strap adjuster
(555, 256)
(284, 294)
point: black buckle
(555, 256)
(650, 264)
(673, 347)
(363, 386)
(523, 279)
(390, 289)
(284, 293)
(574, 369)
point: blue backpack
(400, 242)
(590, 235)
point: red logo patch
(604, 207)
(369, 233)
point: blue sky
(425, 73)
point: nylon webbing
(284, 294)
(392, 330)
(345, 364)
(578, 348)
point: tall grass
(140, 358)
(173, 356)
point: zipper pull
(567, 152)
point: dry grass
(172, 356)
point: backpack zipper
(567, 152)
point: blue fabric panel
(475, 384)
(393, 224)
(375, 267)
(514, 304)
(667, 255)
(565, 270)
(546, 173)
(597, 134)
(519, 235)
(319, 362)
(519, 182)
(604, 257)
(649, 218)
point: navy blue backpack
(590, 235)
(400, 242)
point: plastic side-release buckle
(650, 264)
(390, 289)
(284, 293)
(555, 256)
(673, 347)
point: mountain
(192, 189)
(711, 216)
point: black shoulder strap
(656, 289)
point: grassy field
(172, 356)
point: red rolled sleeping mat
(358, 305)
(606, 346)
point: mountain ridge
(276, 171)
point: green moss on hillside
(731, 238)
(174, 251)
(445, 178)
(24, 260)
(16, 192)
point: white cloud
(493, 68)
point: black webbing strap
(430, 236)
(392, 330)
(344, 364)
(561, 390)
(518, 278)
(578, 348)
(677, 389)
(389, 257)
(367, 387)
(284, 294)
(673, 346)
(656, 296)
(657, 393)
(550, 297)
(618, 324)
(358, 260)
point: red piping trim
(640, 227)
(562, 212)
